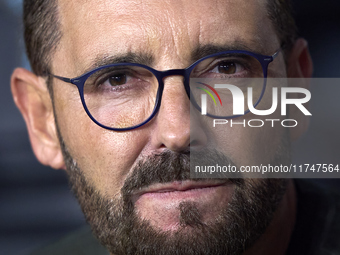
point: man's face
(170, 32)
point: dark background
(36, 206)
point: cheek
(247, 146)
(105, 156)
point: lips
(179, 186)
(160, 203)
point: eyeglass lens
(124, 96)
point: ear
(31, 96)
(299, 65)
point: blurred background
(36, 206)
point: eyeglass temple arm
(61, 78)
(276, 53)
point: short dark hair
(280, 12)
(43, 32)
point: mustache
(170, 166)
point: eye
(111, 78)
(227, 67)
(117, 79)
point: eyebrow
(148, 59)
(204, 50)
(129, 57)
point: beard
(116, 224)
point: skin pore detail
(134, 186)
(165, 57)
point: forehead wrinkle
(179, 31)
(81, 25)
(173, 42)
(139, 36)
(237, 26)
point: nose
(175, 128)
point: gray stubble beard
(116, 225)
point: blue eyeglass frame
(160, 75)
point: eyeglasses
(125, 96)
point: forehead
(162, 29)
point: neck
(277, 236)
